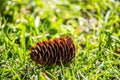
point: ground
(94, 26)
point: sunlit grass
(93, 25)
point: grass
(94, 26)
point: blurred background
(93, 24)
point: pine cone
(54, 51)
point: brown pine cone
(53, 51)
